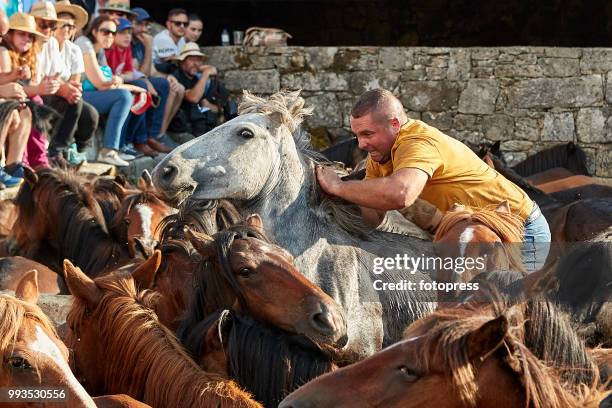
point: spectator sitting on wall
(117, 9)
(142, 54)
(194, 29)
(197, 114)
(166, 44)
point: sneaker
(15, 169)
(112, 157)
(128, 150)
(74, 157)
(8, 180)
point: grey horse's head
(238, 158)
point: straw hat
(80, 14)
(190, 49)
(24, 22)
(45, 11)
(118, 5)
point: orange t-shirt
(456, 174)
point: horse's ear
(218, 332)
(255, 221)
(144, 275)
(145, 182)
(27, 289)
(203, 243)
(81, 285)
(496, 148)
(457, 207)
(503, 207)
(121, 180)
(108, 172)
(30, 176)
(487, 338)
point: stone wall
(528, 98)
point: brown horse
(135, 222)
(239, 347)
(121, 347)
(13, 269)
(244, 271)
(8, 215)
(32, 353)
(492, 236)
(471, 356)
(59, 218)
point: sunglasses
(106, 31)
(180, 23)
(45, 25)
(69, 26)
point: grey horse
(260, 161)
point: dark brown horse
(470, 356)
(121, 347)
(239, 347)
(60, 219)
(242, 270)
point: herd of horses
(228, 279)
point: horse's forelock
(285, 107)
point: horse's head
(239, 158)
(32, 353)
(251, 274)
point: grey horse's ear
(145, 182)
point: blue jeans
(155, 116)
(140, 127)
(536, 242)
(116, 103)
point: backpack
(265, 37)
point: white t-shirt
(164, 46)
(72, 56)
(49, 61)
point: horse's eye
(245, 272)
(19, 362)
(246, 133)
(127, 221)
(407, 373)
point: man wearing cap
(197, 114)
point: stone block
(527, 128)
(263, 81)
(559, 67)
(479, 96)
(319, 81)
(558, 127)
(590, 124)
(360, 82)
(326, 111)
(433, 96)
(395, 58)
(557, 92)
(604, 163)
(518, 71)
(498, 127)
(440, 120)
(596, 61)
(459, 65)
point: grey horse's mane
(287, 108)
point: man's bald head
(382, 104)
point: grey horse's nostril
(168, 175)
(323, 321)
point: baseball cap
(123, 24)
(141, 14)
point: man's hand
(328, 179)
(146, 39)
(49, 85)
(21, 73)
(150, 87)
(70, 92)
(174, 84)
(12, 90)
(208, 70)
(116, 81)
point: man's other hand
(328, 179)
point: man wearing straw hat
(118, 9)
(65, 66)
(197, 115)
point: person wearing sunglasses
(101, 88)
(166, 44)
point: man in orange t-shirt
(410, 159)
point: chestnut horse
(492, 234)
(13, 268)
(136, 221)
(59, 218)
(239, 347)
(242, 270)
(32, 353)
(471, 356)
(121, 347)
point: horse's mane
(288, 360)
(507, 226)
(569, 155)
(148, 363)
(13, 313)
(446, 337)
(287, 108)
(109, 195)
(213, 276)
(78, 227)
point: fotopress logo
(428, 263)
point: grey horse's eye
(246, 133)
